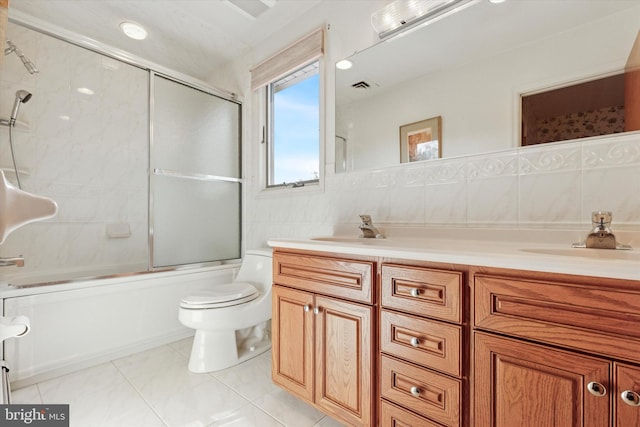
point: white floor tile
(69, 387)
(26, 395)
(183, 346)
(118, 405)
(247, 416)
(288, 409)
(154, 388)
(252, 379)
(197, 406)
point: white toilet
(232, 321)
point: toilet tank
(256, 268)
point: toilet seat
(221, 296)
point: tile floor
(154, 388)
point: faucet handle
(366, 219)
(601, 218)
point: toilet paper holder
(11, 327)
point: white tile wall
(555, 185)
(87, 152)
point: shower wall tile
(87, 152)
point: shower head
(22, 96)
(30, 66)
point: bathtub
(83, 323)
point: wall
(555, 186)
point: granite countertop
(475, 249)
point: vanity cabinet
(555, 350)
(323, 333)
(421, 347)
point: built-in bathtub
(85, 322)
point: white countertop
(534, 256)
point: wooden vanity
(375, 340)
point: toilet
(232, 321)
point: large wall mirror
(471, 70)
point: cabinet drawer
(437, 397)
(426, 342)
(594, 319)
(394, 416)
(325, 275)
(423, 291)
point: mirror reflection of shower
(28, 64)
(22, 97)
(341, 153)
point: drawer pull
(415, 391)
(415, 292)
(415, 342)
(316, 310)
(306, 308)
(596, 389)
(631, 398)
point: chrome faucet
(17, 261)
(601, 237)
(367, 228)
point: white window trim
(314, 187)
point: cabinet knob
(306, 308)
(415, 292)
(316, 310)
(415, 391)
(596, 389)
(415, 342)
(631, 398)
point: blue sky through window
(296, 132)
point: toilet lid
(221, 296)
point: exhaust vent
(361, 85)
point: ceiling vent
(253, 8)
(361, 85)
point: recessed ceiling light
(345, 64)
(133, 30)
(497, 1)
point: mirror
(471, 69)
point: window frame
(268, 131)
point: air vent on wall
(361, 85)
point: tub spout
(17, 261)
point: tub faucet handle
(17, 261)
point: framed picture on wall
(421, 140)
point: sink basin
(604, 254)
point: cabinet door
(344, 368)
(528, 385)
(292, 341)
(627, 396)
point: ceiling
(194, 37)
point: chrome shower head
(30, 66)
(22, 96)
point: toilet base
(217, 350)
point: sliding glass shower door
(195, 196)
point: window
(293, 128)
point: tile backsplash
(549, 186)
